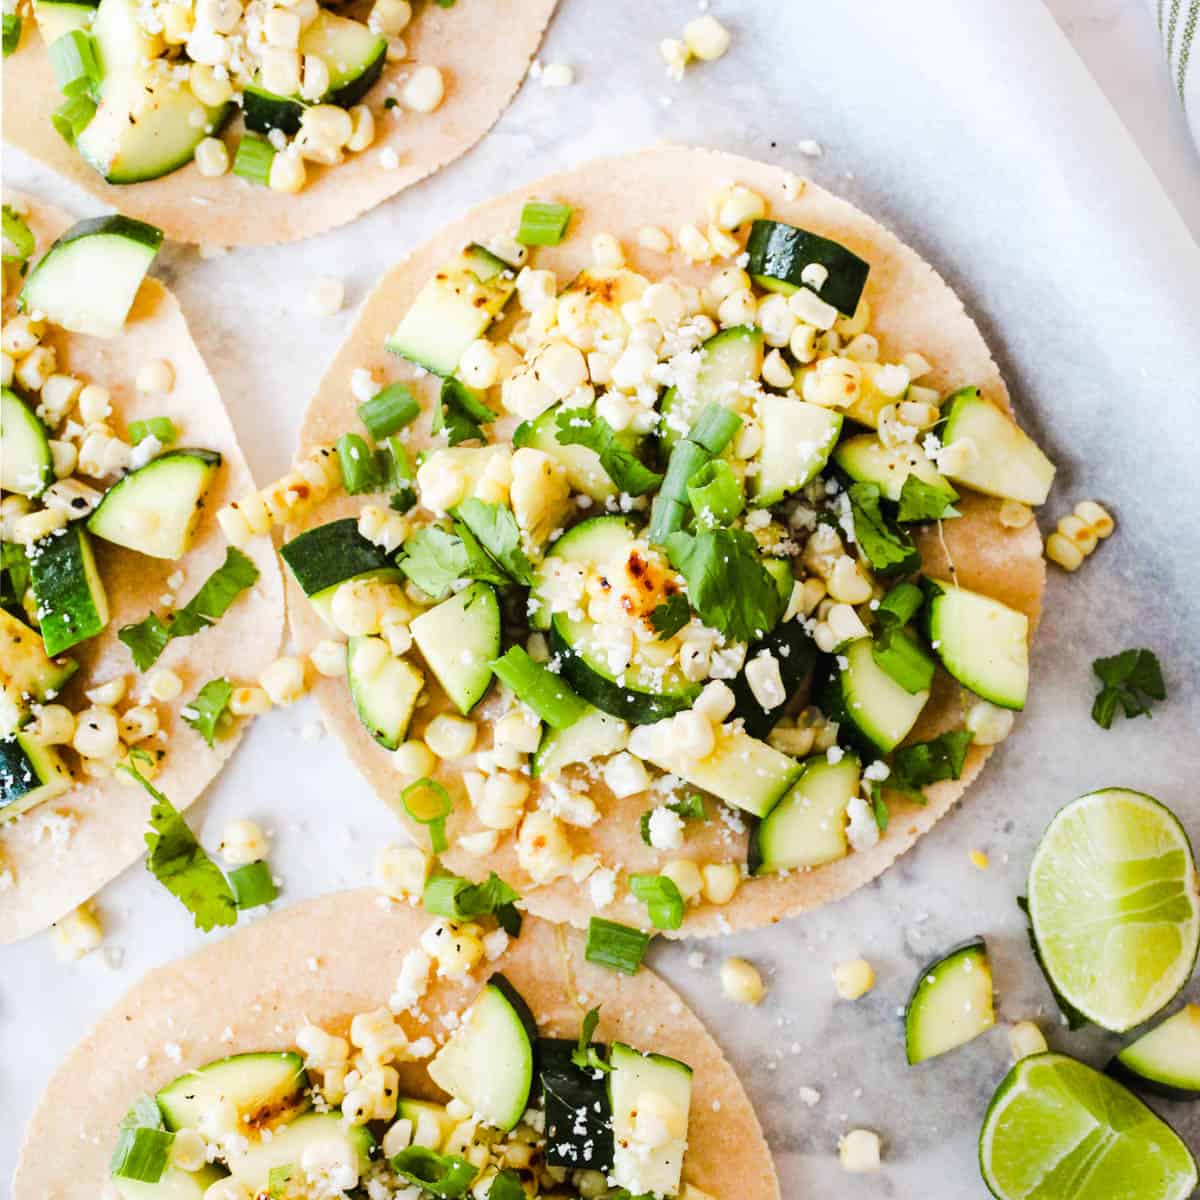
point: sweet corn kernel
(156, 377)
(54, 725)
(401, 871)
(706, 38)
(1024, 1039)
(288, 172)
(137, 724)
(721, 881)
(423, 90)
(685, 875)
(449, 736)
(501, 801)
(390, 17)
(249, 702)
(362, 128)
(242, 842)
(1096, 516)
(853, 979)
(1015, 515)
(859, 1151)
(989, 723)
(78, 933)
(212, 157)
(1077, 531)
(414, 760)
(979, 859)
(650, 237)
(96, 734)
(1063, 552)
(283, 680)
(742, 982)
(542, 848)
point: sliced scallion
(715, 493)
(73, 116)
(277, 1181)
(543, 224)
(162, 428)
(360, 465)
(17, 235)
(663, 900)
(253, 159)
(616, 946)
(252, 885)
(443, 1175)
(547, 694)
(141, 1153)
(73, 59)
(388, 411)
(429, 804)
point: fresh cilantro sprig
(435, 559)
(890, 551)
(582, 427)
(921, 501)
(495, 529)
(148, 638)
(586, 1056)
(461, 900)
(727, 583)
(204, 713)
(460, 413)
(181, 864)
(1131, 681)
(917, 766)
(671, 616)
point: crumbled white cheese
(862, 830)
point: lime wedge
(1114, 907)
(1057, 1130)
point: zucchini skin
(778, 251)
(572, 1097)
(330, 553)
(796, 654)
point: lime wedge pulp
(1114, 907)
(1057, 1130)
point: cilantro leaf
(443, 1175)
(435, 559)
(879, 808)
(460, 413)
(14, 574)
(727, 583)
(211, 703)
(148, 638)
(690, 809)
(890, 551)
(671, 616)
(461, 900)
(923, 763)
(507, 1185)
(921, 501)
(582, 427)
(495, 528)
(585, 1056)
(1131, 680)
(181, 865)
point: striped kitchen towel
(1179, 24)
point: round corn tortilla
(482, 47)
(104, 820)
(913, 309)
(255, 988)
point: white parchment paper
(975, 133)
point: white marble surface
(1093, 317)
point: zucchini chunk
(867, 460)
(984, 644)
(488, 1061)
(779, 254)
(56, 17)
(1006, 461)
(454, 308)
(807, 828)
(634, 1075)
(595, 735)
(880, 709)
(951, 1002)
(584, 472)
(1166, 1060)
(797, 440)
(26, 466)
(384, 694)
(459, 639)
(27, 672)
(265, 1090)
(174, 1184)
(252, 1164)
(579, 1132)
(155, 509)
(425, 1114)
(321, 558)
(29, 774)
(795, 652)
(72, 604)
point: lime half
(1114, 908)
(1057, 1130)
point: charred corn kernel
(288, 172)
(1077, 531)
(54, 725)
(137, 724)
(721, 881)
(1024, 1039)
(1064, 552)
(96, 734)
(1097, 518)
(650, 237)
(449, 736)
(242, 842)
(59, 392)
(78, 933)
(706, 38)
(1015, 515)
(685, 875)
(847, 584)
(34, 526)
(401, 871)
(20, 335)
(414, 760)
(853, 979)
(249, 701)
(457, 951)
(423, 90)
(283, 680)
(212, 157)
(163, 684)
(989, 723)
(741, 981)
(859, 1151)
(155, 377)
(36, 368)
(542, 848)
(501, 803)
(834, 383)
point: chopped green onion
(388, 411)
(277, 1181)
(461, 900)
(12, 33)
(715, 493)
(73, 58)
(443, 1175)
(361, 468)
(428, 803)
(900, 605)
(896, 653)
(162, 428)
(18, 234)
(543, 224)
(617, 946)
(662, 898)
(142, 1154)
(712, 431)
(252, 885)
(507, 1186)
(548, 695)
(253, 159)
(73, 116)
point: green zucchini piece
(329, 554)
(56, 17)
(881, 710)
(265, 1090)
(778, 255)
(798, 439)
(730, 364)
(384, 693)
(584, 472)
(27, 673)
(633, 1074)
(459, 639)
(595, 735)
(30, 773)
(174, 1184)
(252, 1164)
(578, 1110)
(26, 466)
(951, 1002)
(71, 601)
(867, 460)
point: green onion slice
(443, 1175)
(252, 885)
(547, 694)
(73, 116)
(253, 159)
(662, 898)
(388, 411)
(141, 1153)
(360, 465)
(611, 944)
(162, 428)
(716, 493)
(18, 235)
(428, 803)
(73, 58)
(543, 224)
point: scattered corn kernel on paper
(979, 139)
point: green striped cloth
(1179, 24)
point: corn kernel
(414, 760)
(401, 871)
(685, 875)
(78, 933)
(449, 736)
(979, 859)
(742, 982)
(721, 881)
(249, 702)
(859, 1151)
(1063, 552)
(283, 680)
(1097, 517)
(853, 979)
(1024, 1039)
